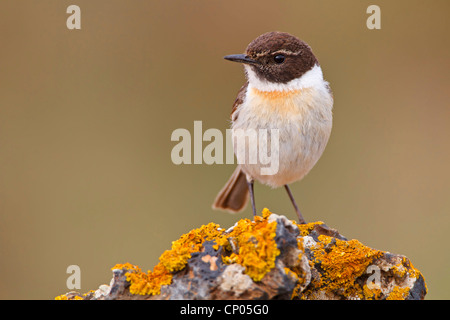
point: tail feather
(234, 195)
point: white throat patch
(311, 78)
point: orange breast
(273, 95)
(282, 103)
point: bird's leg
(301, 220)
(252, 196)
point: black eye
(279, 58)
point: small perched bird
(285, 90)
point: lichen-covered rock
(346, 269)
(268, 258)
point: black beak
(242, 58)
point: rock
(268, 258)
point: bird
(284, 91)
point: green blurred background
(86, 118)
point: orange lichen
(170, 261)
(65, 297)
(256, 242)
(371, 293)
(337, 263)
(305, 229)
(398, 293)
(145, 283)
(346, 261)
(405, 267)
(176, 258)
(342, 262)
(290, 273)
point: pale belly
(303, 121)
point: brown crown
(299, 57)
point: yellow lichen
(252, 244)
(398, 293)
(266, 213)
(399, 270)
(145, 283)
(305, 229)
(256, 242)
(406, 267)
(371, 293)
(170, 261)
(341, 262)
(176, 258)
(65, 297)
(290, 273)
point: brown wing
(239, 100)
